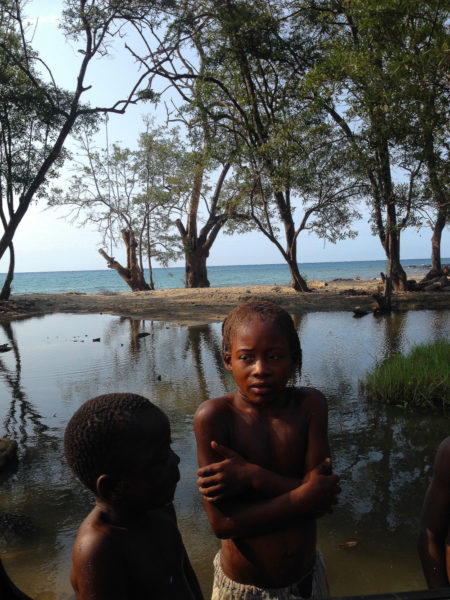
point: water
(383, 454)
(94, 282)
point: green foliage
(383, 71)
(289, 172)
(36, 115)
(117, 188)
(31, 114)
(421, 379)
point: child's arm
(97, 572)
(237, 518)
(435, 522)
(234, 475)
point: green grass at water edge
(421, 379)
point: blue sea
(95, 282)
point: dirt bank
(212, 304)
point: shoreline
(203, 305)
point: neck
(117, 515)
(272, 404)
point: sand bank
(193, 306)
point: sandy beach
(195, 306)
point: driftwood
(132, 273)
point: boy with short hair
(434, 538)
(129, 546)
(265, 472)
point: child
(129, 546)
(265, 472)
(434, 539)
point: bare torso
(144, 560)
(278, 438)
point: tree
(130, 195)
(362, 81)
(36, 116)
(252, 92)
(321, 196)
(27, 125)
(423, 104)
(210, 155)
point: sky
(47, 241)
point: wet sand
(195, 306)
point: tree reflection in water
(21, 411)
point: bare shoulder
(214, 410)
(442, 462)
(443, 451)
(95, 541)
(98, 565)
(310, 399)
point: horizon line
(322, 262)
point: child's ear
(105, 487)
(227, 362)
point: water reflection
(20, 411)
(394, 325)
(383, 454)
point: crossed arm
(434, 543)
(225, 476)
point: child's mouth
(260, 390)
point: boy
(129, 546)
(434, 538)
(265, 472)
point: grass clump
(421, 379)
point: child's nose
(260, 366)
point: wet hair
(265, 311)
(99, 435)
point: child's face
(260, 360)
(153, 474)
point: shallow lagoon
(383, 455)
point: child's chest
(154, 559)
(276, 442)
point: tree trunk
(197, 245)
(196, 271)
(150, 274)
(436, 266)
(440, 198)
(297, 281)
(6, 289)
(132, 274)
(149, 256)
(395, 273)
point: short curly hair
(99, 433)
(265, 311)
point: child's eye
(246, 357)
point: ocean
(96, 282)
